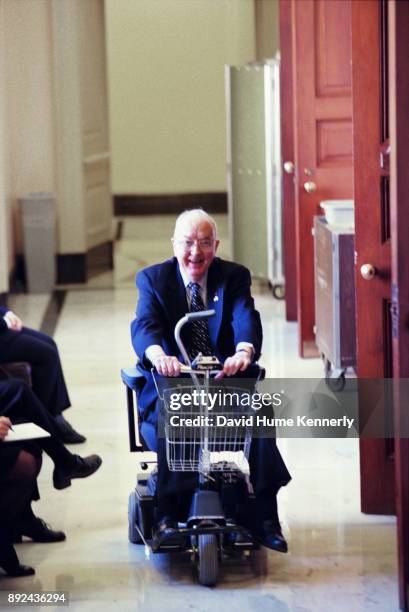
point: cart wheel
(336, 384)
(208, 559)
(133, 519)
(279, 292)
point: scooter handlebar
(202, 314)
(189, 316)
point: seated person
(18, 473)
(19, 403)
(18, 343)
(195, 279)
(19, 468)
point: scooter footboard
(206, 506)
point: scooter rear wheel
(133, 519)
(208, 559)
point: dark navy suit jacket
(162, 302)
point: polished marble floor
(339, 559)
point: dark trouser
(17, 486)
(16, 491)
(41, 352)
(267, 474)
(20, 404)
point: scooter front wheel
(208, 559)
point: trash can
(38, 228)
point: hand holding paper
(23, 431)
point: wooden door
(323, 132)
(398, 44)
(287, 156)
(372, 236)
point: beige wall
(166, 88)
(267, 28)
(26, 116)
(53, 121)
(167, 100)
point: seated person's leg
(30, 525)
(174, 489)
(41, 352)
(53, 390)
(19, 403)
(268, 473)
(16, 487)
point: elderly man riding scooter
(193, 280)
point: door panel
(372, 237)
(323, 133)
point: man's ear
(217, 244)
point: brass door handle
(289, 167)
(310, 187)
(368, 271)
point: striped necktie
(199, 339)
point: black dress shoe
(15, 571)
(66, 432)
(81, 467)
(272, 537)
(39, 531)
(10, 563)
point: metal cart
(334, 299)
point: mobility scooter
(221, 505)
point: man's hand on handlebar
(238, 362)
(167, 365)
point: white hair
(195, 215)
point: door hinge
(384, 158)
(394, 310)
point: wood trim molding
(137, 204)
(52, 312)
(75, 268)
(71, 268)
(96, 159)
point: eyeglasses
(205, 244)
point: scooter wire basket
(204, 439)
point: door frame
(372, 244)
(399, 200)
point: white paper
(25, 431)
